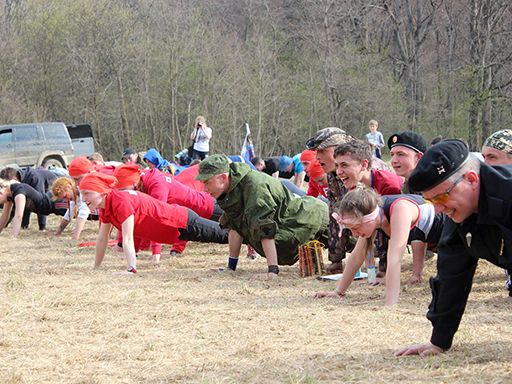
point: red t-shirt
(164, 188)
(186, 177)
(153, 219)
(315, 189)
(386, 183)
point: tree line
(140, 71)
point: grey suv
(38, 144)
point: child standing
(375, 138)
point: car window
(26, 134)
(54, 132)
(6, 136)
(77, 131)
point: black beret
(408, 139)
(438, 164)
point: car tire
(52, 163)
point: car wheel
(52, 163)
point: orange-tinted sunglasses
(444, 197)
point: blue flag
(247, 149)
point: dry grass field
(61, 321)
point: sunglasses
(444, 197)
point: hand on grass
(326, 294)
(419, 349)
(379, 281)
(335, 268)
(414, 279)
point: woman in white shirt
(201, 136)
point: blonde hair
(97, 158)
(59, 187)
(359, 202)
(374, 122)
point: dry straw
(62, 322)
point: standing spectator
(375, 139)
(201, 136)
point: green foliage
(141, 72)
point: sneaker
(175, 253)
(251, 253)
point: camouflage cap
(501, 140)
(211, 166)
(328, 137)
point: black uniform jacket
(486, 235)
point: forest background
(140, 71)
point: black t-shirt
(36, 202)
(272, 166)
(39, 179)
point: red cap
(98, 182)
(80, 166)
(307, 155)
(315, 169)
(127, 174)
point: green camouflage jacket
(258, 206)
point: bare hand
(379, 281)
(325, 294)
(335, 268)
(264, 276)
(420, 349)
(414, 279)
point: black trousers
(217, 212)
(203, 230)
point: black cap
(438, 164)
(408, 139)
(128, 152)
